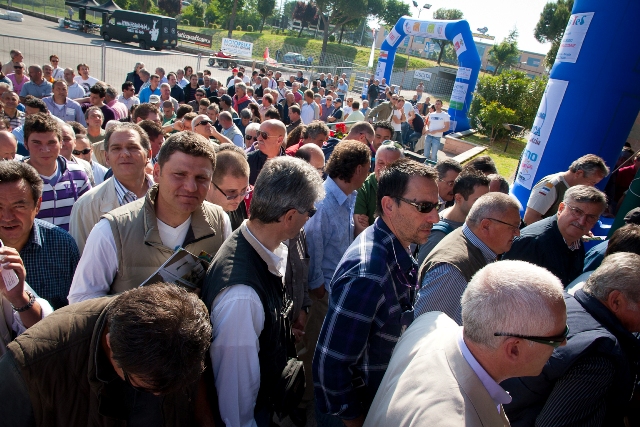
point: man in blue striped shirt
(372, 294)
(492, 223)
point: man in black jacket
(589, 381)
(555, 243)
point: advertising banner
(422, 75)
(237, 47)
(542, 126)
(573, 37)
(197, 38)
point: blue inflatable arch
(459, 33)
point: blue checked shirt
(50, 257)
(369, 308)
(443, 285)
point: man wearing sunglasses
(591, 380)
(271, 135)
(555, 243)
(372, 293)
(513, 314)
(83, 150)
(488, 231)
(204, 126)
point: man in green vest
(547, 194)
(488, 231)
(131, 242)
(131, 360)
(245, 293)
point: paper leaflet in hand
(9, 277)
(182, 268)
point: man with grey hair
(513, 316)
(547, 194)
(127, 149)
(165, 95)
(61, 106)
(37, 86)
(591, 380)
(75, 90)
(489, 229)
(111, 99)
(244, 291)
(555, 243)
(364, 213)
(448, 171)
(161, 73)
(240, 99)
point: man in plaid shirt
(372, 294)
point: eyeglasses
(554, 342)
(205, 122)
(449, 183)
(515, 227)
(311, 212)
(248, 190)
(265, 135)
(83, 152)
(422, 207)
(394, 144)
(55, 60)
(579, 214)
(140, 389)
(250, 138)
(17, 67)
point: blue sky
(499, 16)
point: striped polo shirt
(61, 192)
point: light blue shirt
(329, 233)
(497, 393)
(146, 93)
(70, 111)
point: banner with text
(237, 47)
(422, 75)
(197, 38)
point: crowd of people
(324, 272)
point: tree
(212, 12)
(336, 13)
(393, 11)
(506, 53)
(447, 15)
(169, 7)
(494, 115)
(194, 11)
(307, 13)
(265, 9)
(551, 26)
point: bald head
(276, 126)
(313, 155)
(8, 145)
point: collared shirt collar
(125, 196)
(276, 261)
(332, 188)
(403, 256)
(488, 254)
(573, 246)
(497, 393)
(34, 235)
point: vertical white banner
(540, 131)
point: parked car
(295, 58)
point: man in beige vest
(127, 154)
(131, 242)
(443, 375)
(492, 223)
(547, 194)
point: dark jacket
(542, 244)
(296, 278)
(135, 79)
(593, 332)
(238, 263)
(66, 377)
(256, 160)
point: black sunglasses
(78, 152)
(554, 342)
(422, 207)
(205, 122)
(265, 135)
(250, 137)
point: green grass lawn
(308, 46)
(505, 162)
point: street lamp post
(406, 66)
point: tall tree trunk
(325, 39)
(262, 26)
(233, 18)
(341, 33)
(301, 28)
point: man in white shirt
(58, 72)
(249, 350)
(437, 124)
(75, 91)
(84, 79)
(128, 97)
(309, 110)
(173, 214)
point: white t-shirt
(438, 121)
(397, 126)
(544, 193)
(85, 84)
